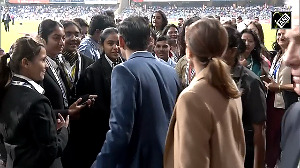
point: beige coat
(181, 70)
(206, 130)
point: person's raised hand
(61, 122)
(74, 109)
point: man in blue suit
(143, 95)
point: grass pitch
(19, 29)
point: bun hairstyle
(24, 47)
(207, 40)
(106, 32)
(235, 40)
(46, 27)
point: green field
(17, 31)
(30, 27)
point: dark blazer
(7, 17)
(290, 137)
(52, 89)
(73, 93)
(93, 124)
(143, 95)
(53, 93)
(75, 138)
(28, 126)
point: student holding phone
(52, 34)
(73, 64)
(94, 122)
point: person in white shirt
(162, 51)
(241, 25)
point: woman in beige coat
(206, 128)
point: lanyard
(274, 71)
(250, 65)
(71, 72)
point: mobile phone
(266, 78)
(84, 100)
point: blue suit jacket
(290, 137)
(143, 95)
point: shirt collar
(108, 60)
(36, 86)
(141, 54)
(169, 62)
(53, 64)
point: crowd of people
(144, 93)
(57, 11)
(249, 12)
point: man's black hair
(100, 22)
(135, 32)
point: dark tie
(60, 71)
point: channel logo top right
(281, 20)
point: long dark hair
(24, 47)
(260, 31)
(181, 36)
(164, 19)
(257, 49)
(275, 45)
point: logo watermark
(281, 20)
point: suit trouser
(6, 25)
